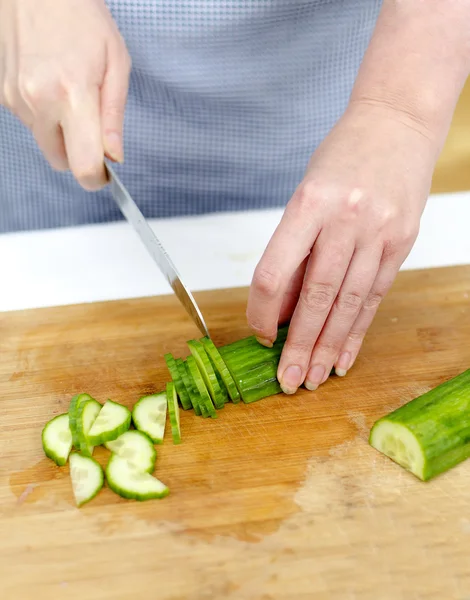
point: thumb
(113, 103)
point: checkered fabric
(227, 101)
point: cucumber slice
(73, 412)
(221, 368)
(175, 376)
(129, 483)
(173, 412)
(206, 401)
(87, 478)
(112, 421)
(193, 394)
(137, 448)
(431, 433)
(218, 395)
(149, 416)
(87, 413)
(57, 439)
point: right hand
(64, 72)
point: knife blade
(136, 219)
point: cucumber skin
(75, 403)
(179, 385)
(206, 400)
(440, 421)
(60, 462)
(172, 400)
(98, 490)
(227, 381)
(218, 395)
(115, 433)
(193, 394)
(254, 367)
(82, 438)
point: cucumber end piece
(398, 443)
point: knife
(136, 219)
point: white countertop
(106, 262)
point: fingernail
(291, 379)
(342, 365)
(265, 342)
(315, 377)
(114, 146)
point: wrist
(417, 64)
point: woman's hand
(64, 72)
(342, 239)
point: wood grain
(279, 499)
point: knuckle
(29, 89)
(8, 95)
(267, 282)
(305, 198)
(373, 301)
(114, 112)
(89, 176)
(356, 336)
(318, 296)
(349, 302)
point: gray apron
(227, 101)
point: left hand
(342, 239)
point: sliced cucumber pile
(204, 381)
(133, 454)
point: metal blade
(135, 218)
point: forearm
(417, 62)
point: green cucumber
(86, 415)
(254, 367)
(137, 448)
(431, 433)
(57, 439)
(221, 369)
(128, 482)
(87, 478)
(218, 394)
(149, 416)
(207, 408)
(175, 376)
(193, 394)
(112, 421)
(173, 412)
(73, 411)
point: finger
(324, 276)
(291, 296)
(50, 139)
(357, 284)
(288, 247)
(113, 103)
(81, 125)
(385, 277)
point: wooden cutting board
(280, 499)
